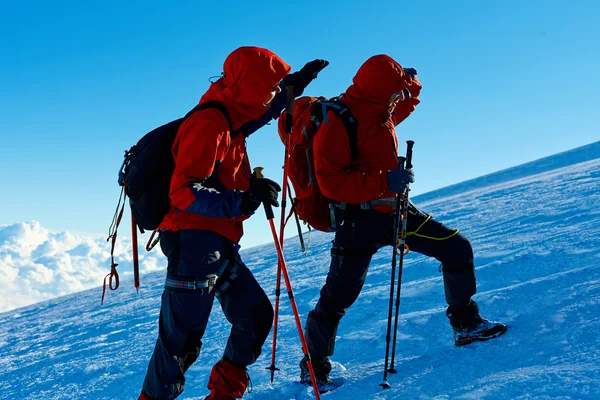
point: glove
(410, 71)
(312, 68)
(300, 79)
(398, 179)
(262, 190)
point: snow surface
(537, 249)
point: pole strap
(113, 276)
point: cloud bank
(37, 264)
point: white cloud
(37, 264)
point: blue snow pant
(358, 235)
(194, 255)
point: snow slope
(537, 248)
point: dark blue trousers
(358, 235)
(192, 256)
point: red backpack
(309, 113)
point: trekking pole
(288, 285)
(385, 383)
(288, 131)
(297, 221)
(402, 251)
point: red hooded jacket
(203, 147)
(364, 178)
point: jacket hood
(375, 82)
(249, 75)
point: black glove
(300, 79)
(312, 68)
(410, 71)
(399, 178)
(262, 190)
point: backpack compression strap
(350, 123)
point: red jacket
(364, 179)
(203, 145)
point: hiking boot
(227, 381)
(483, 330)
(468, 326)
(321, 367)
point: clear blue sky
(503, 83)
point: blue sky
(503, 83)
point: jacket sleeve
(405, 108)
(337, 179)
(201, 145)
(278, 104)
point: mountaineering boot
(468, 326)
(227, 381)
(322, 368)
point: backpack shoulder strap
(219, 106)
(350, 123)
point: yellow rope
(433, 238)
(420, 226)
(415, 233)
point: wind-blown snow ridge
(570, 157)
(537, 253)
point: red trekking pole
(288, 131)
(288, 285)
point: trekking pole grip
(409, 151)
(401, 161)
(258, 174)
(269, 211)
